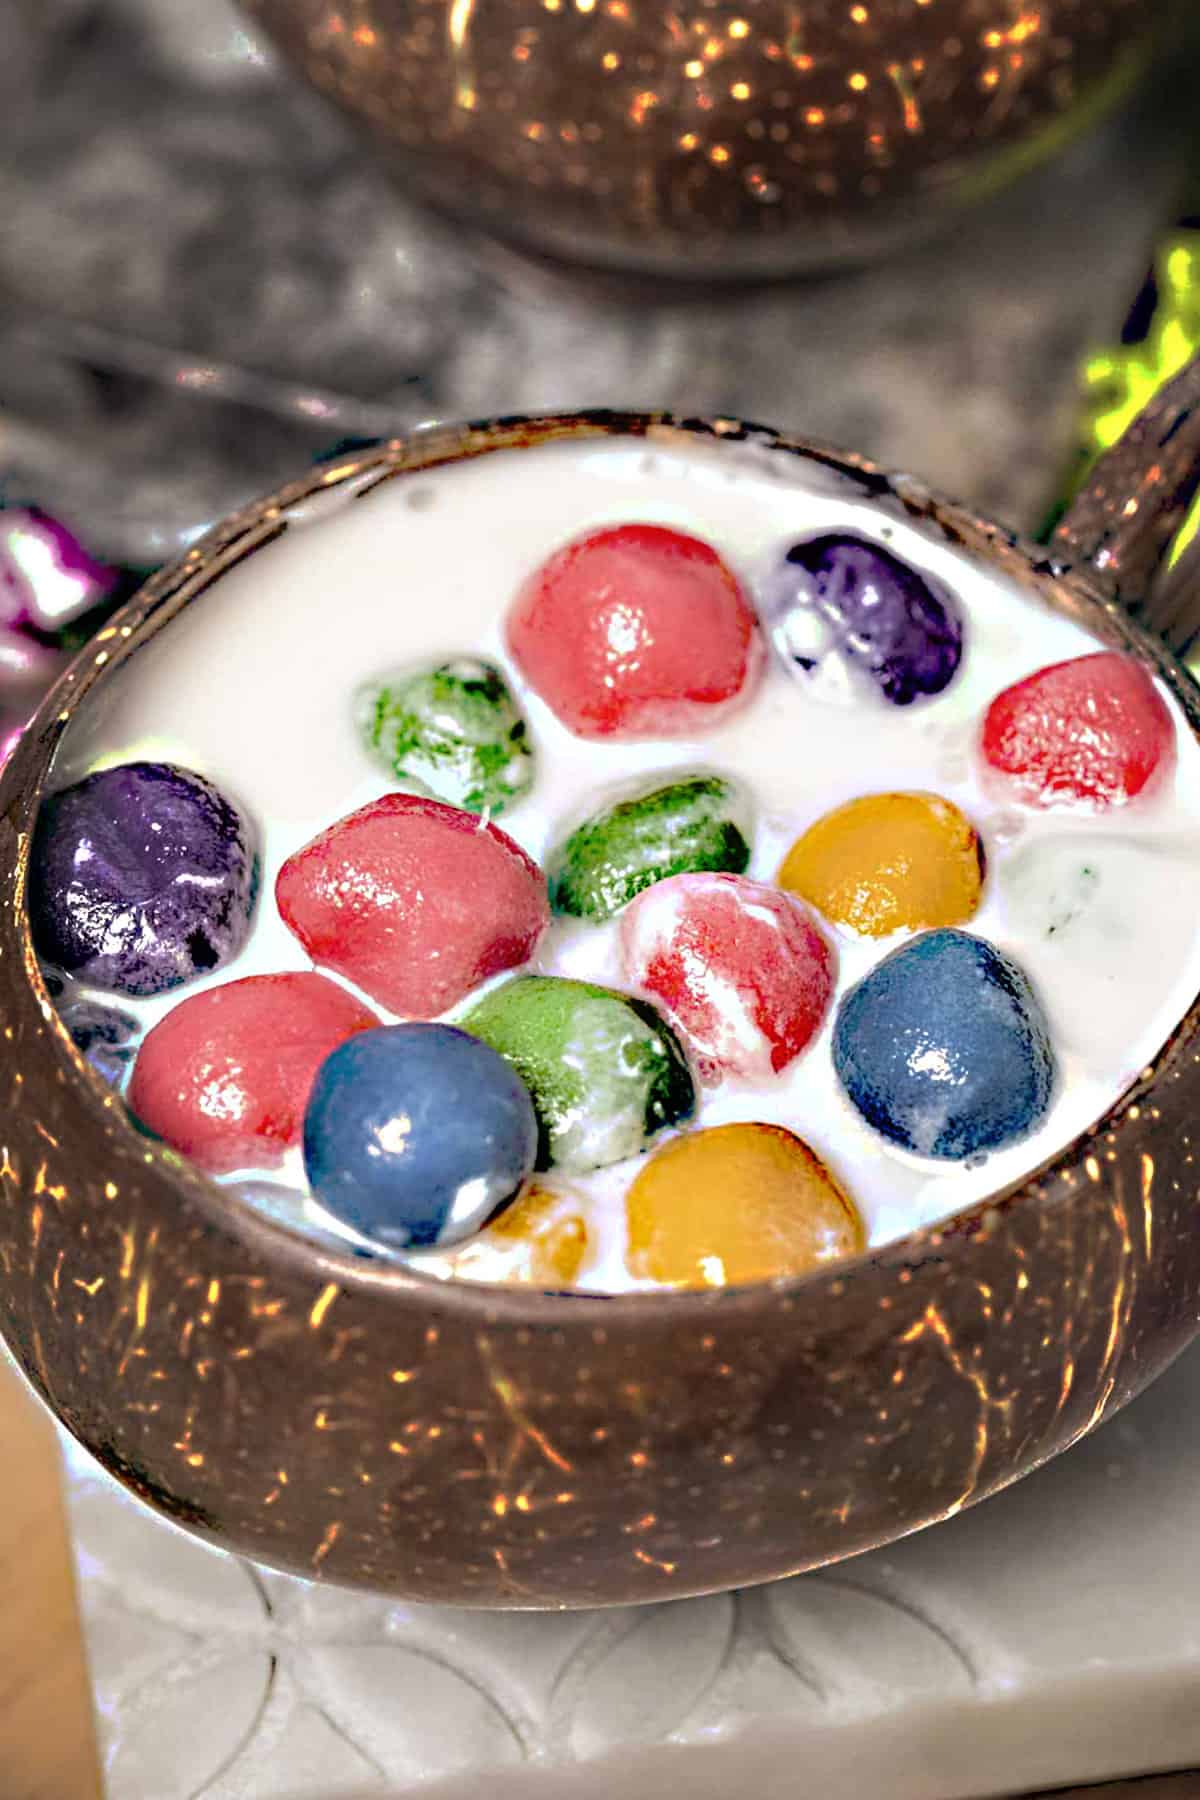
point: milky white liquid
(254, 687)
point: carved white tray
(1048, 1637)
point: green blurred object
(1161, 335)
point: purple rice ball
(141, 878)
(896, 627)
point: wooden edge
(47, 1728)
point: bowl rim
(1068, 587)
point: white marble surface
(1051, 1636)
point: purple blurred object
(848, 599)
(47, 578)
(142, 878)
(27, 666)
(48, 584)
(9, 738)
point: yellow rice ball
(889, 862)
(735, 1204)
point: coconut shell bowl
(714, 140)
(354, 1421)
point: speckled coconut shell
(501, 1448)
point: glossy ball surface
(416, 1135)
(944, 1048)
(141, 878)
(734, 1204)
(889, 862)
(701, 823)
(636, 631)
(225, 1076)
(605, 1071)
(451, 730)
(414, 902)
(741, 969)
(848, 597)
(1090, 734)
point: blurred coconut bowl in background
(714, 139)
